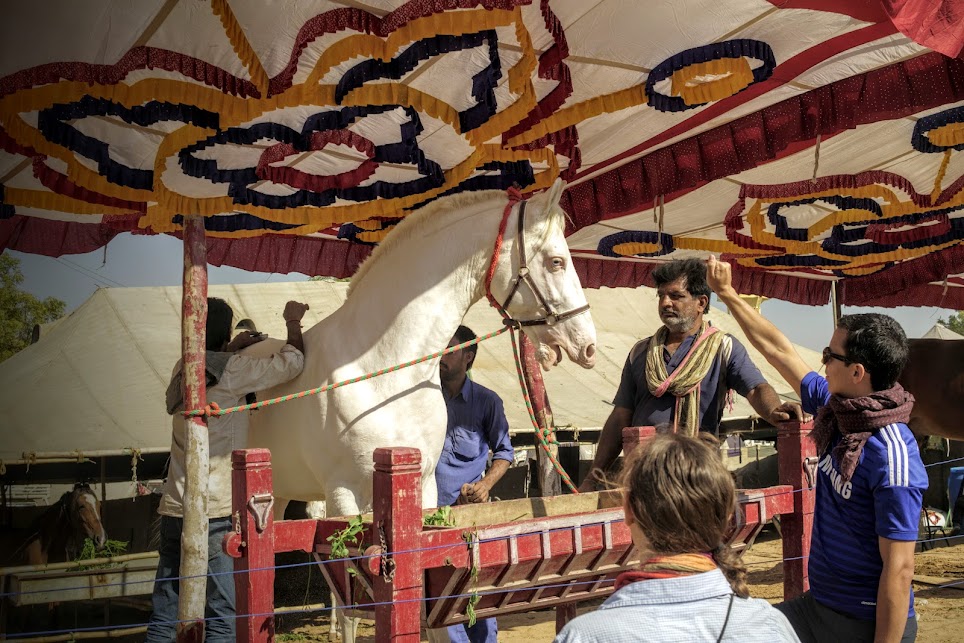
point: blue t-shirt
(883, 498)
(741, 375)
(476, 424)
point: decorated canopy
(805, 140)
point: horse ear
(555, 193)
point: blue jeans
(485, 630)
(220, 585)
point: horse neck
(55, 530)
(414, 296)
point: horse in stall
(406, 301)
(57, 535)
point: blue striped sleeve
(899, 482)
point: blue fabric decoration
(51, 123)
(483, 83)
(741, 48)
(236, 221)
(404, 152)
(919, 138)
(607, 243)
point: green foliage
(955, 322)
(441, 518)
(350, 534)
(474, 598)
(21, 311)
(111, 548)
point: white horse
(406, 301)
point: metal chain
(386, 561)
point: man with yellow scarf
(681, 375)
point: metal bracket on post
(260, 505)
(810, 469)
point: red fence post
(633, 436)
(251, 507)
(797, 466)
(397, 520)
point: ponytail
(733, 567)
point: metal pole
(835, 304)
(194, 532)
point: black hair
(464, 334)
(693, 270)
(220, 318)
(878, 342)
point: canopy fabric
(96, 379)
(807, 141)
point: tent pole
(835, 304)
(194, 532)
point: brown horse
(935, 375)
(58, 534)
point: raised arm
(293, 313)
(764, 336)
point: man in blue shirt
(681, 375)
(476, 425)
(870, 478)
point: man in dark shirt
(476, 425)
(681, 375)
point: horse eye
(558, 263)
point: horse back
(935, 375)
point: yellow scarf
(684, 382)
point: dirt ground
(940, 611)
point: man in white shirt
(230, 377)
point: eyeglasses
(829, 355)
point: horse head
(84, 513)
(538, 286)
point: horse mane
(416, 222)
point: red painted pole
(194, 532)
(397, 521)
(797, 466)
(550, 483)
(252, 501)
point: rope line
(546, 436)
(216, 411)
(295, 610)
(600, 523)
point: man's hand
(294, 311)
(719, 276)
(786, 412)
(244, 339)
(474, 492)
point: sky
(157, 261)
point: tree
(20, 311)
(955, 322)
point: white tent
(96, 380)
(938, 331)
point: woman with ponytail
(679, 501)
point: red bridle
(522, 276)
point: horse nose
(101, 539)
(589, 355)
